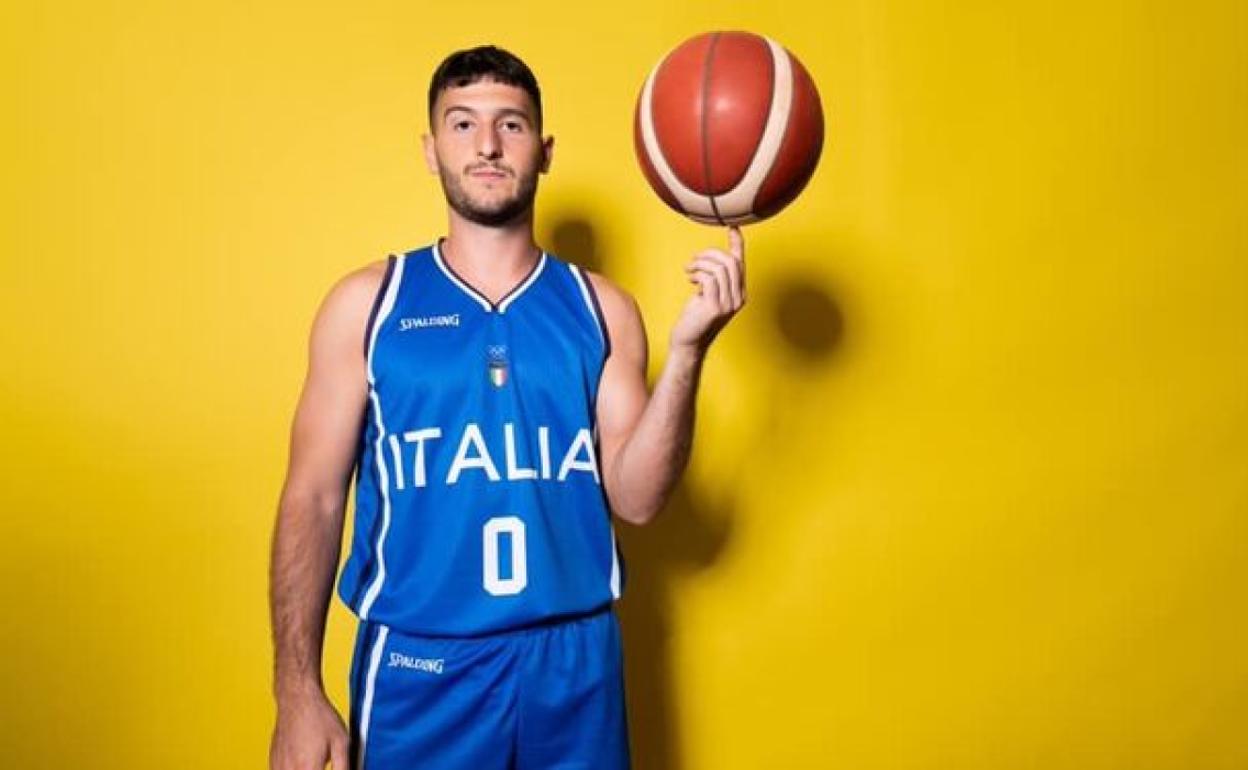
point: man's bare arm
(307, 535)
(646, 439)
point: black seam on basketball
(702, 134)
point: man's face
(487, 150)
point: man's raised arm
(645, 439)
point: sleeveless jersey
(479, 505)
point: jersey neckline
(489, 307)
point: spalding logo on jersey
(497, 364)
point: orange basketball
(728, 128)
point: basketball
(728, 128)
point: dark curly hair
(484, 62)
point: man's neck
(492, 259)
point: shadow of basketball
(806, 317)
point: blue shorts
(535, 699)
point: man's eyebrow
(506, 111)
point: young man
(492, 401)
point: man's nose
(488, 144)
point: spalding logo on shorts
(428, 665)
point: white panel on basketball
(740, 199)
(744, 219)
(690, 201)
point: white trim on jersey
(600, 324)
(516, 292)
(383, 477)
(366, 709)
(485, 304)
(465, 288)
(615, 566)
(583, 282)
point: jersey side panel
(370, 503)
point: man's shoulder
(367, 277)
(613, 299)
(360, 285)
(351, 297)
(625, 328)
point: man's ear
(431, 155)
(548, 153)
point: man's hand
(309, 731)
(720, 277)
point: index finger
(736, 242)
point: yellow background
(971, 477)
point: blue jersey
(479, 504)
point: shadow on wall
(805, 315)
(694, 527)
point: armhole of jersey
(381, 293)
(595, 308)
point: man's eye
(513, 125)
(461, 124)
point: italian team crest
(496, 364)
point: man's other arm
(307, 534)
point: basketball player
(491, 401)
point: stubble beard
(494, 214)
